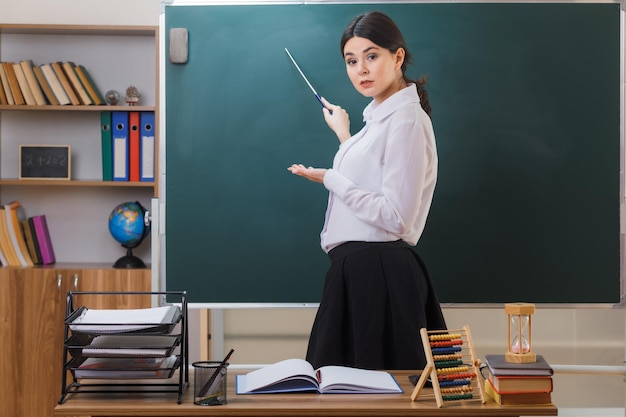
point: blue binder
(147, 141)
(119, 124)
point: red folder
(134, 149)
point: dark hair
(380, 29)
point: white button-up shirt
(383, 178)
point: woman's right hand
(337, 119)
(310, 173)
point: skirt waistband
(350, 247)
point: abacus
(451, 365)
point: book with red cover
(524, 398)
(133, 146)
(520, 384)
(43, 239)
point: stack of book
(518, 383)
(56, 83)
(24, 241)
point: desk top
(292, 405)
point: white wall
(79, 12)
(564, 336)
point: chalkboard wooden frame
(530, 182)
(45, 162)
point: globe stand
(129, 261)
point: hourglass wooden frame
(519, 310)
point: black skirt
(376, 298)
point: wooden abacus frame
(451, 362)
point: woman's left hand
(310, 173)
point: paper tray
(122, 345)
(124, 368)
(125, 321)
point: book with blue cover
(298, 375)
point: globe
(129, 224)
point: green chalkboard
(526, 110)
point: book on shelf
(55, 84)
(33, 84)
(15, 85)
(23, 84)
(3, 95)
(298, 375)
(5, 84)
(524, 398)
(89, 85)
(78, 87)
(42, 234)
(31, 243)
(498, 366)
(45, 86)
(14, 215)
(5, 241)
(65, 82)
(126, 367)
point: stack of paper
(108, 321)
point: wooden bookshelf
(33, 299)
(116, 57)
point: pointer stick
(208, 384)
(307, 81)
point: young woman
(377, 293)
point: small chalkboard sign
(45, 162)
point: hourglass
(519, 344)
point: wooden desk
(291, 405)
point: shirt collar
(375, 112)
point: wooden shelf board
(75, 108)
(77, 183)
(34, 29)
